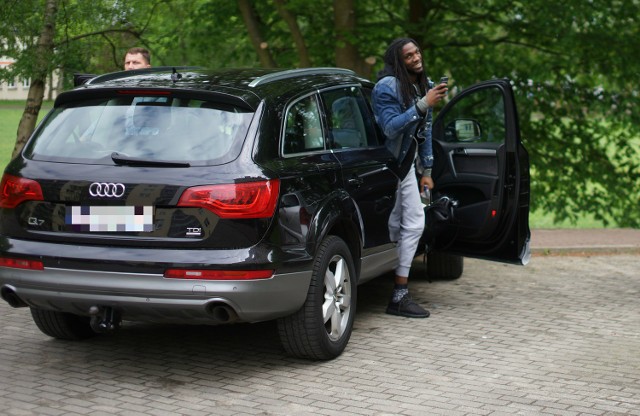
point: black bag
(409, 158)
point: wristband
(422, 106)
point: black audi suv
(196, 196)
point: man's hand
(426, 181)
(436, 94)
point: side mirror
(464, 130)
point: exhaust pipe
(222, 313)
(9, 295)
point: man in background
(137, 58)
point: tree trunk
(417, 16)
(251, 22)
(296, 34)
(346, 52)
(41, 70)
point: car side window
(478, 118)
(377, 131)
(303, 128)
(350, 125)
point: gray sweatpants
(406, 222)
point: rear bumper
(151, 297)
(130, 280)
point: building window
(26, 82)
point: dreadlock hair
(394, 65)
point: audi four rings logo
(111, 190)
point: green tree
(573, 66)
(573, 69)
(63, 35)
(38, 56)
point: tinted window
(303, 128)
(349, 122)
(154, 128)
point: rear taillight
(218, 274)
(143, 92)
(14, 190)
(21, 263)
(235, 200)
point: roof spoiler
(81, 79)
(122, 74)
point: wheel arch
(338, 215)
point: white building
(18, 89)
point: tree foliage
(47, 35)
(573, 66)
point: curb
(585, 242)
(584, 251)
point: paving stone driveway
(560, 336)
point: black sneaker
(407, 307)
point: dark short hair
(142, 51)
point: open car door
(480, 203)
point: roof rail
(123, 74)
(276, 76)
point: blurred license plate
(110, 219)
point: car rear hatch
(151, 168)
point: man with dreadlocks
(403, 99)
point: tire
(321, 329)
(442, 266)
(62, 325)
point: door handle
(355, 181)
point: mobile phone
(445, 81)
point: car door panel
(469, 160)
(371, 185)
(482, 171)
(364, 161)
(469, 176)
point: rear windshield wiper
(120, 159)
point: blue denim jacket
(399, 123)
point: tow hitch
(104, 319)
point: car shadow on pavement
(159, 352)
(141, 349)
(145, 349)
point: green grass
(539, 219)
(11, 111)
(9, 119)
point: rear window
(154, 128)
